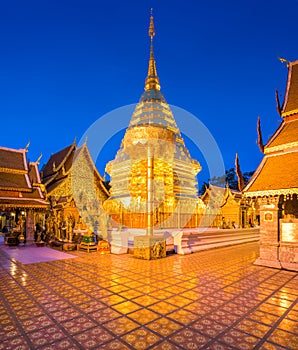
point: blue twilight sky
(63, 64)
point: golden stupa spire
(152, 81)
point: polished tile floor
(215, 299)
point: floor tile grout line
(280, 319)
(251, 310)
(84, 313)
(243, 292)
(15, 319)
(191, 300)
(67, 334)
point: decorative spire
(152, 81)
(39, 158)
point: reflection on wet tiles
(141, 339)
(212, 299)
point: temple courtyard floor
(214, 299)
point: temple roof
(13, 159)
(59, 166)
(286, 134)
(22, 203)
(10, 181)
(290, 104)
(19, 184)
(57, 160)
(277, 174)
(220, 194)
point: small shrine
(274, 185)
(22, 196)
(226, 209)
(76, 192)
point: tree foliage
(230, 177)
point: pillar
(269, 233)
(29, 226)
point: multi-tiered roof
(20, 183)
(277, 174)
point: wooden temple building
(22, 198)
(75, 191)
(274, 185)
(153, 177)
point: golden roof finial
(27, 146)
(39, 158)
(151, 27)
(152, 81)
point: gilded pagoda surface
(152, 130)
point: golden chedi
(153, 178)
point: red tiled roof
(16, 181)
(22, 203)
(58, 159)
(291, 97)
(287, 133)
(13, 159)
(275, 173)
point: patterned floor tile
(63, 344)
(263, 317)
(121, 325)
(113, 345)
(183, 316)
(283, 338)
(93, 337)
(56, 305)
(179, 301)
(35, 323)
(65, 314)
(165, 345)
(272, 309)
(189, 339)
(18, 343)
(141, 339)
(161, 294)
(143, 316)
(46, 335)
(163, 307)
(104, 315)
(219, 346)
(77, 325)
(280, 302)
(126, 307)
(112, 299)
(198, 308)
(164, 326)
(254, 328)
(208, 327)
(289, 326)
(6, 318)
(292, 315)
(118, 288)
(213, 299)
(191, 294)
(92, 306)
(9, 330)
(145, 300)
(130, 294)
(238, 339)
